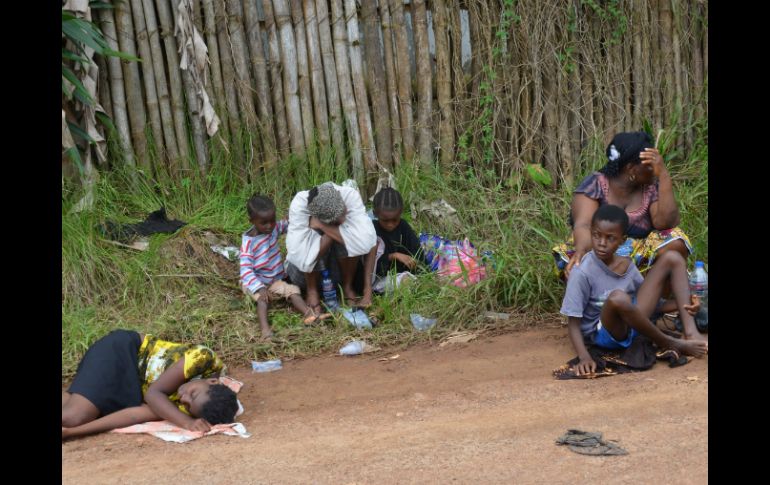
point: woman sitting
(635, 179)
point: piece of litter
(357, 318)
(421, 323)
(141, 244)
(388, 359)
(497, 316)
(266, 366)
(398, 415)
(458, 338)
(230, 252)
(693, 378)
(357, 347)
(587, 443)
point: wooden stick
(290, 81)
(375, 73)
(332, 84)
(404, 75)
(424, 83)
(347, 97)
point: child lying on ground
(608, 303)
(262, 271)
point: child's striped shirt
(261, 262)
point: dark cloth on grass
(156, 222)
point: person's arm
(119, 419)
(664, 211)
(330, 230)
(248, 275)
(583, 208)
(586, 365)
(323, 248)
(302, 242)
(157, 397)
(404, 259)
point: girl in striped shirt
(262, 272)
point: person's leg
(619, 313)
(369, 260)
(77, 410)
(312, 297)
(670, 268)
(283, 290)
(262, 306)
(677, 245)
(348, 270)
(260, 298)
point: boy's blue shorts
(602, 338)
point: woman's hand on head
(652, 157)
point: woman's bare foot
(313, 299)
(365, 301)
(696, 348)
(351, 297)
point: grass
(182, 291)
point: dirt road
(483, 412)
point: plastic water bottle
(357, 318)
(356, 347)
(266, 366)
(699, 286)
(699, 281)
(421, 323)
(329, 291)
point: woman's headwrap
(325, 203)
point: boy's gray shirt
(590, 284)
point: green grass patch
(180, 290)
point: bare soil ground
(483, 412)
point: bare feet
(351, 298)
(365, 301)
(267, 335)
(697, 336)
(696, 348)
(313, 299)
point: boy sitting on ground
(262, 271)
(608, 303)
